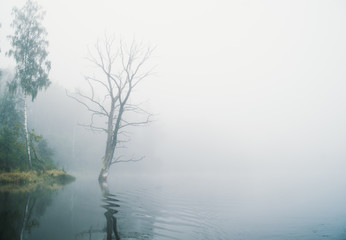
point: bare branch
(84, 104)
(92, 128)
(136, 109)
(92, 100)
(145, 58)
(141, 123)
(98, 81)
(118, 160)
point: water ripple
(161, 215)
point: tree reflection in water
(123, 221)
(20, 211)
(110, 206)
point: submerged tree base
(47, 178)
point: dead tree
(121, 71)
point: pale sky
(258, 80)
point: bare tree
(122, 70)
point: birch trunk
(27, 132)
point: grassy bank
(49, 177)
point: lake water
(181, 206)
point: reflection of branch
(30, 211)
(89, 232)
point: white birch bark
(27, 132)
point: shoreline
(32, 179)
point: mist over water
(250, 109)
(187, 207)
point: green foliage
(12, 150)
(29, 49)
(9, 112)
(12, 143)
(42, 153)
(13, 155)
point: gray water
(182, 206)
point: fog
(238, 85)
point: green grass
(58, 176)
(49, 178)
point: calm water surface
(183, 206)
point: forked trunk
(27, 133)
(107, 159)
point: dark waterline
(181, 207)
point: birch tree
(121, 70)
(29, 49)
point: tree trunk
(110, 148)
(27, 133)
(107, 162)
(103, 173)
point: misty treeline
(58, 126)
(119, 70)
(13, 150)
